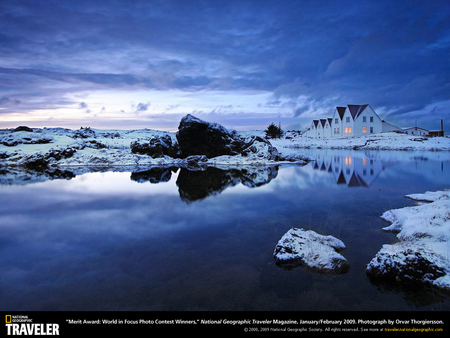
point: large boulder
(300, 247)
(197, 137)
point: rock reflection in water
(154, 175)
(199, 183)
(196, 185)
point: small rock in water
(305, 247)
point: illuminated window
(346, 130)
(364, 130)
(364, 161)
(349, 130)
(348, 160)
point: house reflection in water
(355, 169)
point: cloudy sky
(145, 64)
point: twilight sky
(145, 64)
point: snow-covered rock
(421, 255)
(305, 247)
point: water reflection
(194, 185)
(349, 169)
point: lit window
(348, 160)
(349, 130)
(364, 161)
(364, 130)
(346, 130)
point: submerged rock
(300, 247)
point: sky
(245, 64)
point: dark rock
(196, 160)
(197, 137)
(84, 133)
(23, 128)
(156, 147)
(407, 264)
(39, 162)
(60, 154)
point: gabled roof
(315, 123)
(341, 112)
(323, 121)
(415, 128)
(356, 109)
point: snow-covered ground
(112, 147)
(383, 141)
(423, 251)
(95, 147)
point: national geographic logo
(17, 325)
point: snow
(382, 141)
(423, 231)
(319, 252)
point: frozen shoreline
(422, 253)
(95, 147)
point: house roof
(315, 123)
(415, 128)
(323, 121)
(356, 109)
(341, 112)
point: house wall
(327, 130)
(364, 119)
(336, 128)
(348, 125)
(417, 131)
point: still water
(173, 239)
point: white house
(353, 120)
(416, 131)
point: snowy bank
(305, 247)
(383, 141)
(196, 142)
(422, 253)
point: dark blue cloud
(391, 54)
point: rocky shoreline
(197, 143)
